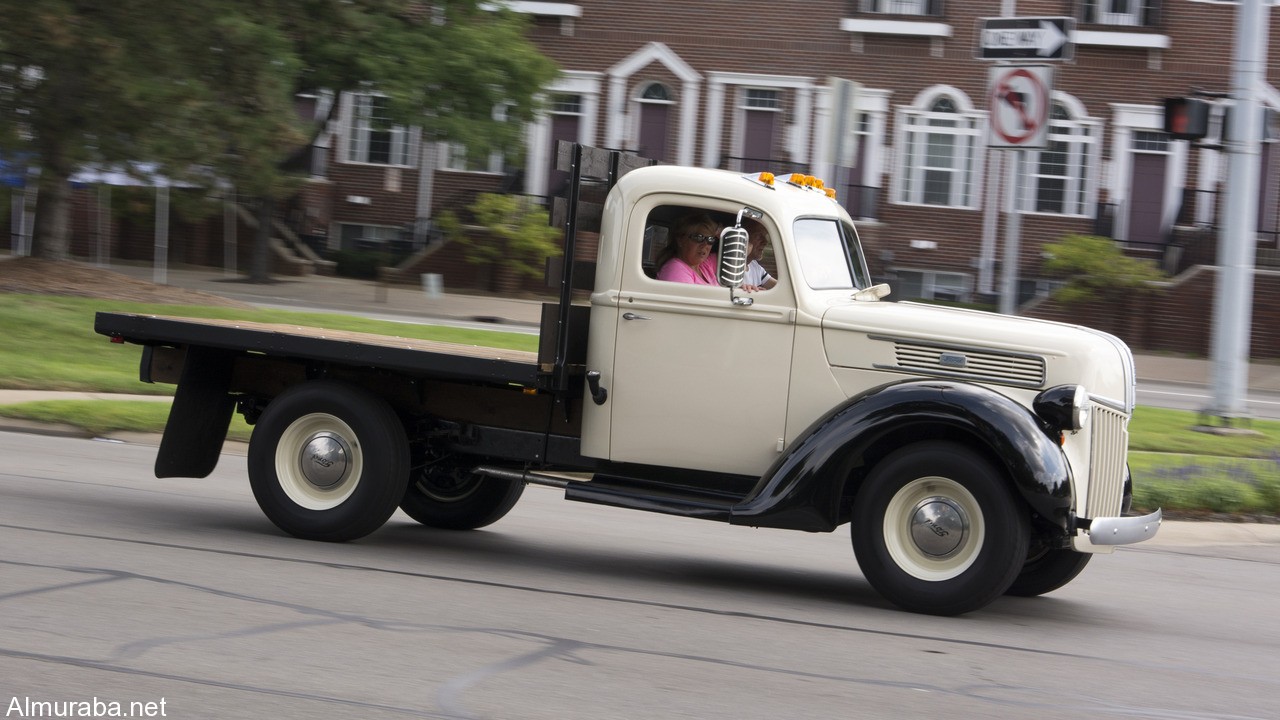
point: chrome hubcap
(939, 527)
(325, 460)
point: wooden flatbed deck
(426, 358)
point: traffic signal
(1186, 118)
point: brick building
(748, 85)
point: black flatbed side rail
(423, 358)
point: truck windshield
(830, 256)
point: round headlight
(1080, 407)
(1065, 407)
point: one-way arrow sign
(1020, 38)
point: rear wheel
(445, 494)
(937, 530)
(328, 461)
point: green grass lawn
(1161, 430)
(50, 342)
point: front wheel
(447, 495)
(937, 530)
(328, 461)
(1047, 571)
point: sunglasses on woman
(700, 238)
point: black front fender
(803, 489)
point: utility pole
(1233, 296)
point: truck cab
(820, 377)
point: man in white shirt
(757, 240)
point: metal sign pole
(160, 270)
(1233, 297)
(1013, 237)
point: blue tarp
(13, 171)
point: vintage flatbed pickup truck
(971, 454)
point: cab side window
(681, 245)
(656, 237)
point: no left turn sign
(1018, 101)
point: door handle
(633, 316)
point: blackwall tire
(937, 529)
(1048, 571)
(328, 461)
(447, 496)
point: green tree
(203, 90)
(1096, 269)
(516, 236)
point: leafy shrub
(518, 235)
(1267, 489)
(1224, 496)
(1096, 269)
(1211, 494)
(362, 264)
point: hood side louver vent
(967, 363)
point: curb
(32, 427)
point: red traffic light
(1186, 118)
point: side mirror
(875, 292)
(731, 265)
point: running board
(630, 493)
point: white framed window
(1119, 12)
(565, 104)
(1125, 13)
(761, 99)
(371, 136)
(1059, 179)
(1153, 141)
(940, 153)
(896, 7)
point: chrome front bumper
(1123, 530)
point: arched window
(940, 141)
(1060, 176)
(656, 92)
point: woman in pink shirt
(688, 256)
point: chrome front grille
(1109, 448)
(967, 363)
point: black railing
(920, 8)
(862, 201)
(777, 166)
(1134, 13)
(1104, 223)
(1191, 212)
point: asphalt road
(119, 587)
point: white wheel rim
(319, 461)
(934, 528)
